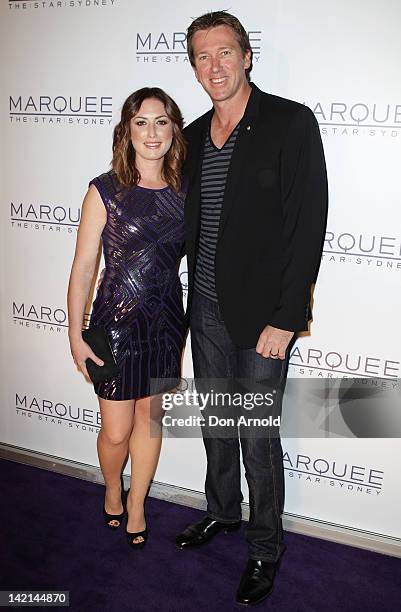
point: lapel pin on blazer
(248, 127)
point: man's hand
(273, 342)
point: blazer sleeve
(304, 205)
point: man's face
(219, 62)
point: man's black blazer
(273, 217)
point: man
(255, 219)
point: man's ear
(247, 59)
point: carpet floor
(53, 537)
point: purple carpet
(52, 537)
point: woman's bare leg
(113, 447)
(144, 447)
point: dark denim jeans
(216, 357)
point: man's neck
(229, 112)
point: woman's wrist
(75, 334)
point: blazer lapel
(239, 155)
(193, 168)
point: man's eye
(202, 57)
(226, 52)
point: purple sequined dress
(139, 302)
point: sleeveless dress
(139, 302)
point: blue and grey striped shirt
(215, 165)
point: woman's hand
(81, 351)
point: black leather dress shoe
(203, 531)
(256, 582)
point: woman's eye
(162, 122)
(140, 123)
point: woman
(137, 211)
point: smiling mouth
(218, 81)
(152, 145)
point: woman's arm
(93, 220)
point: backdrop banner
(67, 67)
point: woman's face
(151, 130)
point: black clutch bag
(97, 339)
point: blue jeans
(215, 356)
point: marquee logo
(58, 4)
(368, 250)
(333, 473)
(57, 413)
(358, 118)
(61, 110)
(171, 46)
(318, 363)
(39, 316)
(54, 218)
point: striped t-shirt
(215, 165)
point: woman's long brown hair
(123, 162)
